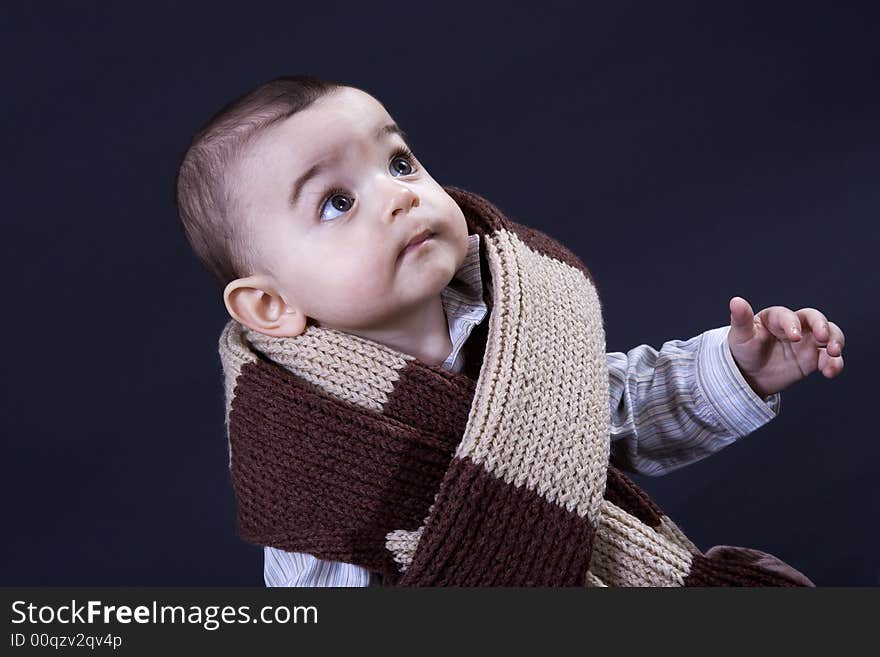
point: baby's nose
(403, 199)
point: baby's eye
(403, 154)
(338, 200)
(341, 202)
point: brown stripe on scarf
(433, 400)
(493, 525)
(743, 567)
(304, 459)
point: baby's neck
(423, 333)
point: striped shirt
(669, 408)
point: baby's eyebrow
(318, 167)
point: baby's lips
(421, 236)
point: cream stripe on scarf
(627, 552)
(345, 366)
(545, 333)
(234, 354)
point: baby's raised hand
(778, 346)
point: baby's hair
(205, 191)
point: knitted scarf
(352, 451)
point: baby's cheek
(362, 280)
(358, 298)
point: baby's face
(331, 245)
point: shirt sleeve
(673, 407)
(282, 568)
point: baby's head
(300, 197)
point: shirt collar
(463, 302)
(466, 286)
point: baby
(304, 201)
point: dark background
(688, 152)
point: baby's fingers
(830, 366)
(782, 323)
(815, 322)
(836, 340)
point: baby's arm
(681, 404)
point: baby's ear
(254, 302)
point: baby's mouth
(416, 242)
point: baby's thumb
(742, 320)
